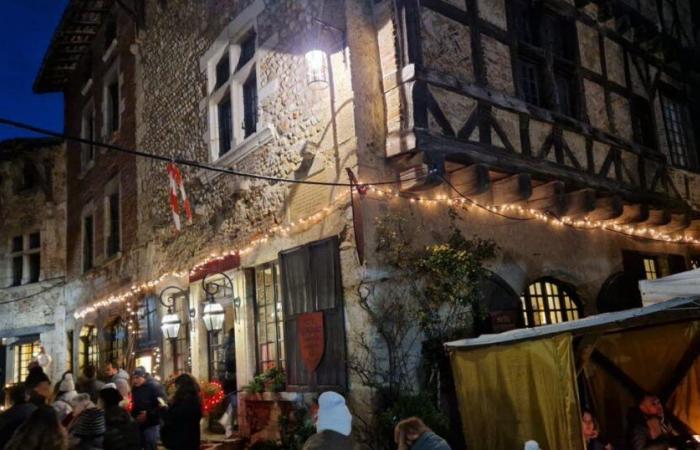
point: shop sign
(311, 339)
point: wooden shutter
(311, 282)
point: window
(148, 325)
(25, 350)
(222, 352)
(643, 127)
(89, 351)
(29, 176)
(25, 259)
(182, 358)
(311, 283)
(269, 324)
(678, 133)
(112, 219)
(110, 102)
(546, 73)
(547, 301)
(116, 342)
(88, 243)
(87, 132)
(651, 272)
(233, 96)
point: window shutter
(311, 282)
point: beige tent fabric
(510, 394)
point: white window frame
(230, 41)
(111, 75)
(88, 210)
(88, 152)
(112, 187)
(25, 252)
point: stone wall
(34, 308)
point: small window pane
(250, 105)
(34, 267)
(554, 306)
(247, 50)
(34, 240)
(17, 270)
(113, 93)
(225, 125)
(17, 244)
(223, 70)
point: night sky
(26, 27)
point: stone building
(573, 115)
(33, 245)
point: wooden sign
(311, 339)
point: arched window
(548, 301)
(116, 341)
(89, 351)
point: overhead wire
(188, 162)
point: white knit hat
(532, 445)
(67, 384)
(333, 414)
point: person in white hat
(65, 394)
(333, 424)
(532, 445)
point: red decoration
(311, 339)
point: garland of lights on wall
(509, 211)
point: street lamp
(213, 313)
(317, 75)
(170, 324)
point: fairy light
(136, 289)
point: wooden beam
(606, 208)
(678, 222)
(511, 189)
(471, 180)
(657, 217)
(548, 197)
(579, 203)
(634, 213)
(414, 178)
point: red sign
(311, 339)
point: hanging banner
(311, 337)
(177, 188)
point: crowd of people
(127, 412)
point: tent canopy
(523, 383)
(683, 284)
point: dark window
(547, 301)
(88, 241)
(17, 243)
(677, 131)
(113, 105)
(110, 32)
(250, 104)
(223, 70)
(29, 176)
(269, 323)
(87, 154)
(529, 81)
(113, 237)
(34, 267)
(311, 283)
(17, 263)
(148, 326)
(225, 125)
(34, 240)
(116, 342)
(643, 122)
(247, 50)
(545, 68)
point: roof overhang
(73, 38)
(684, 308)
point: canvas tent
(531, 383)
(683, 284)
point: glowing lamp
(213, 316)
(170, 325)
(316, 69)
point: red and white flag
(178, 185)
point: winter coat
(328, 439)
(122, 431)
(121, 374)
(639, 438)
(11, 419)
(430, 441)
(181, 425)
(145, 398)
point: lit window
(546, 302)
(650, 269)
(24, 353)
(116, 342)
(89, 351)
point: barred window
(676, 119)
(25, 350)
(89, 350)
(269, 319)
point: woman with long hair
(40, 432)
(414, 434)
(181, 420)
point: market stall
(532, 383)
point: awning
(684, 284)
(670, 310)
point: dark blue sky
(26, 27)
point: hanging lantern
(213, 316)
(316, 69)
(170, 325)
